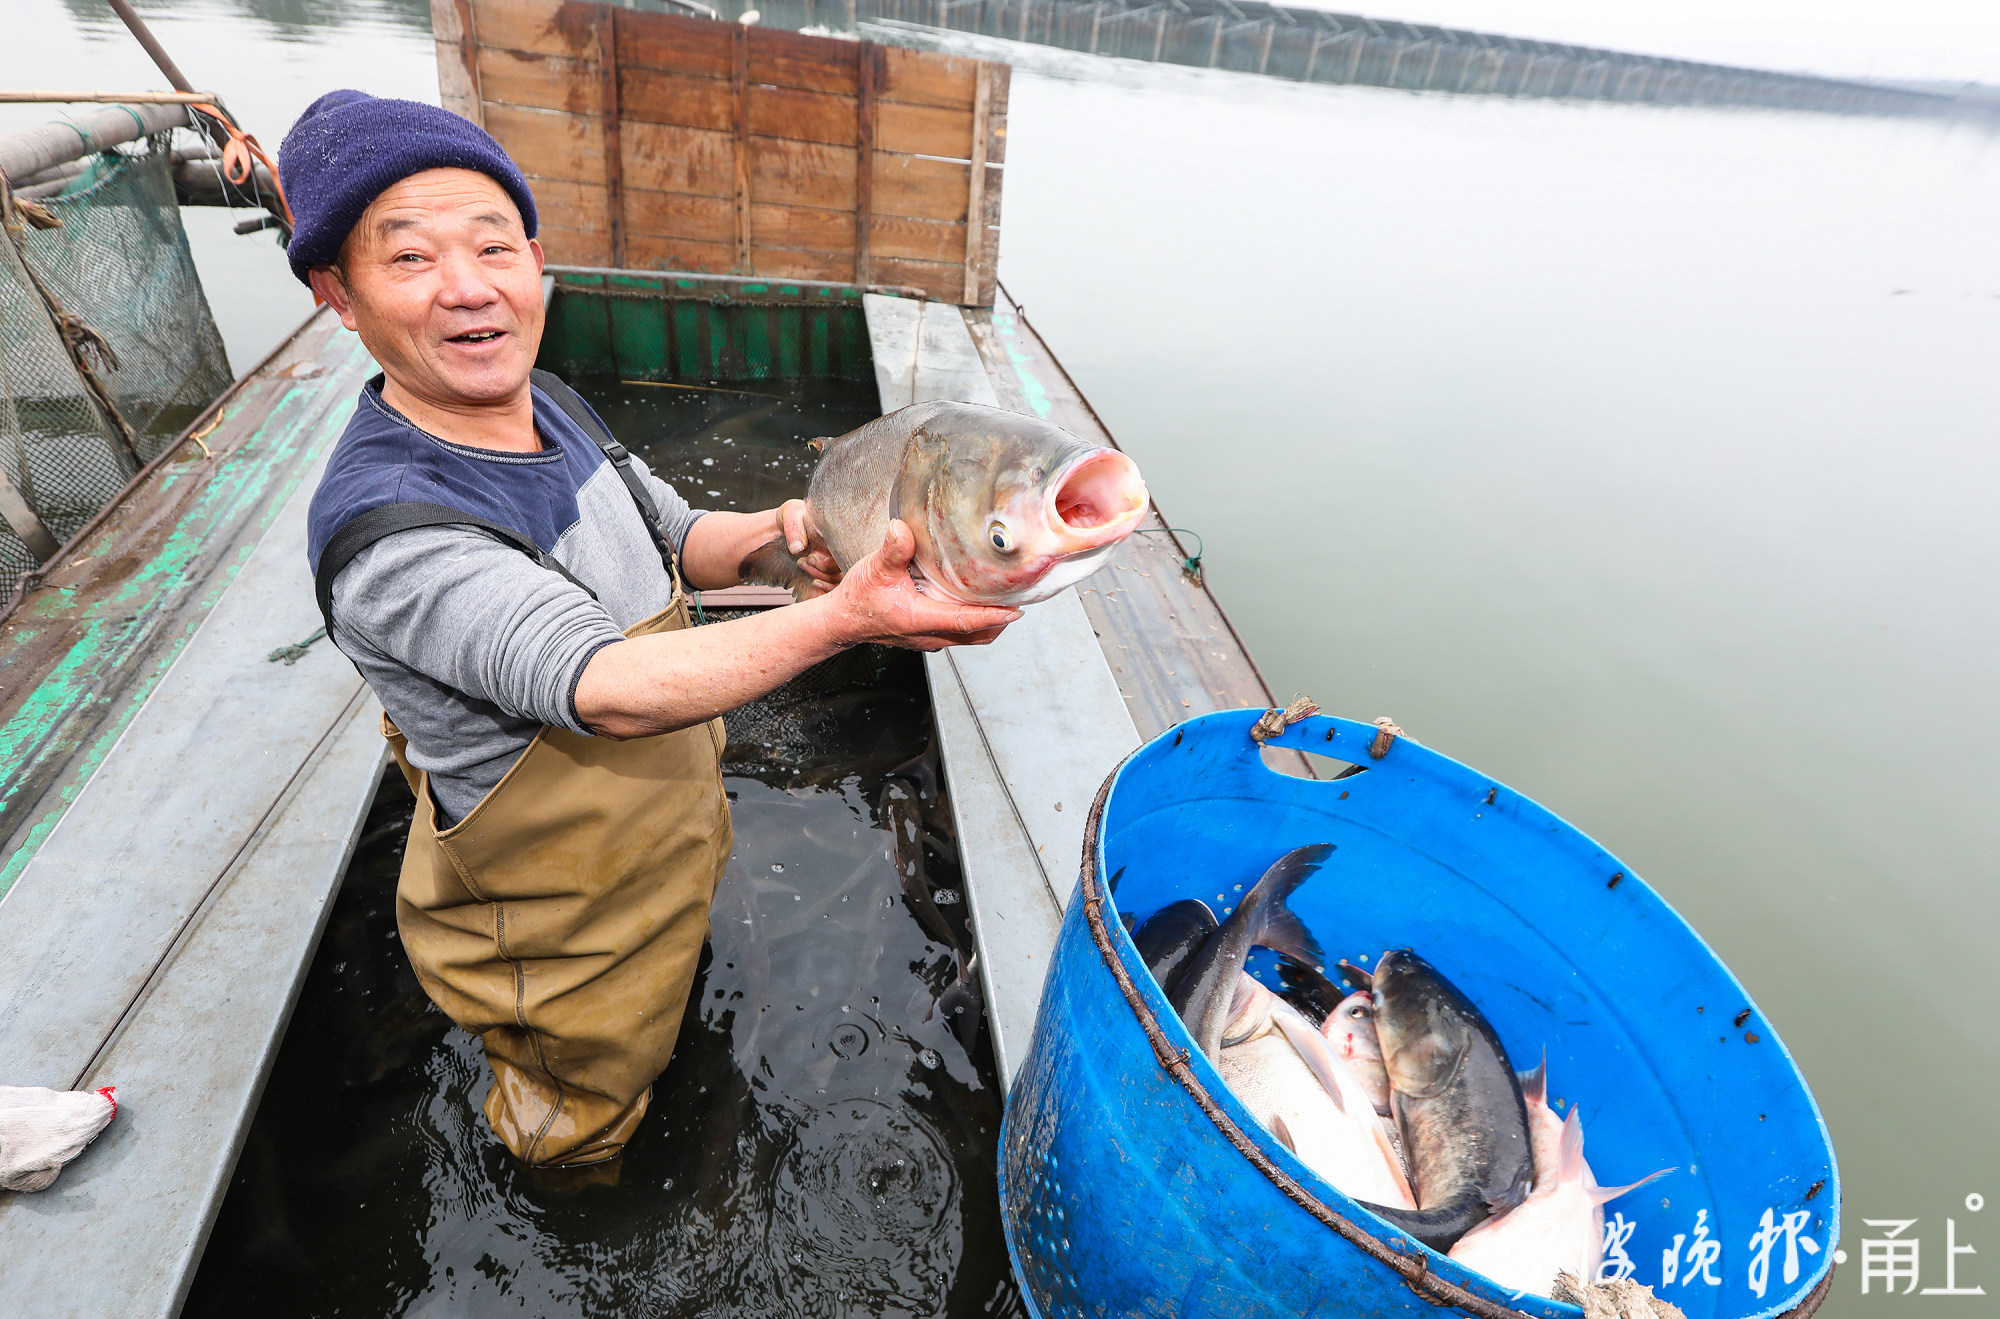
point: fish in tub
(1402, 1096)
(1179, 1142)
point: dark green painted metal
(677, 327)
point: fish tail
(1438, 1228)
(1274, 923)
(1569, 1167)
(771, 564)
(1604, 1194)
(1535, 1081)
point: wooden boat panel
(651, 96)
(188, 788)
(926, 78)
(868, 152)
(1014, 939)
(550, 82)
(123, 1229)
(85, 650)
(548, 144)
(212, 836)
(536, 29)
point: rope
(79, 340)
(1385, 737)
(1275, 721)
(292, 654)
(1191, 565)
(240, 157)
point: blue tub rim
(1410, 1266)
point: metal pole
(106, 98)
(152, 44)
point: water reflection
(733, 444)
(297, 20)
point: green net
(118, 264)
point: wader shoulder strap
(364, 529)
(621, 458)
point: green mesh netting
(120, 262)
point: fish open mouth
(1100, 497)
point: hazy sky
(1880, 38)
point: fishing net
(116, 272)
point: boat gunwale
(701, 286)
(34, 578)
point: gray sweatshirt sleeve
(477, 616)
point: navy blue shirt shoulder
(383, 458)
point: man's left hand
(796, 525)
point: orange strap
(238, 156)
(238, 166)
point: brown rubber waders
(562, 920)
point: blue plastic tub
(1133, 1182)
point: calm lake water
(1645, 459)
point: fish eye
(997, 533)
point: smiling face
(444, 287)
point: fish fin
(1569, 1164)
(1308, 989)
(771, 564)
(1535, 1081)
(1242, 1001)
(1310, 1046)
(1357, 977)
(1395, 1159)
(1605, 1194)
(1116, 876)
(1278, 926)
(1513, 1194)
(1283, 1133)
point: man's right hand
(877, 600)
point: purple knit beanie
(349, 147)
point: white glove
(41, 1130)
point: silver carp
(1205, 994)
(1350, 1033)
(1171, 937)
(1456, 1099)
(1280, 1067)
(1006, 509)
(1559, 1228)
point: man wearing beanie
(511, 584)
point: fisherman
(512, 584)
